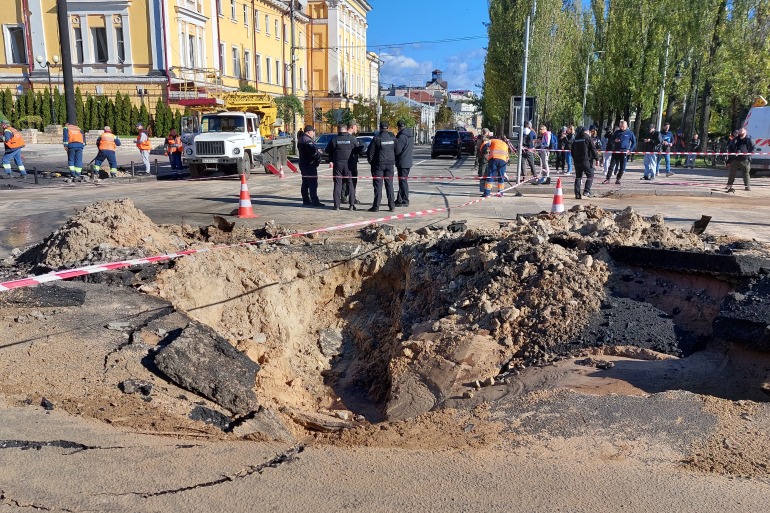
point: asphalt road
(29, 212)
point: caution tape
(32, 281)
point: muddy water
(28, 230)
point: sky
(394, 22)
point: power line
(398, 45)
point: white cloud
(461, 71)
(464, 71)
(401, 69)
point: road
(30, 213)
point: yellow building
(170, 49)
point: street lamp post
(48, 65)
(663, 84)
(585, 88)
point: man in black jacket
(352, 164)
(404, 150)
(741, 144)
(583, 156)
(340, 150)
(382, 156)
(309, 158)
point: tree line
(717, 61)
(93, 112)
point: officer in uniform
(584, 155)
(14, 142)
(309, 158)
(352, 164)
(404, 161)
(74, 141)
(107, 143)
(382, 156)
(340, 150)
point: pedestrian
(545, 144)
(340, 150)
(352, 165)
(498, 159)
(482, 156)
(309, 159)
(560, 159)
(107, 143)
(566, 155)
(666, 143)
(174, 151)
(694, 147)
(680, 147)
(607, 145)
(14, 143)
(623, 143)
(74, 141)
(528, 150)
(404, 150)
(596, 141)
(584, 154)
(382, 156)
(650, 146)
(144, 145)
(738, 160)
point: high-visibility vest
(498, 149)
(107, 141)
(143, 145)
(16, 140)
(74, 135)
(174, 143)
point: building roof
(422, 97)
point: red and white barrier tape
(31, 281)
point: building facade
(182, 49)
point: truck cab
(226, 142)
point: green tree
(289, 107)
(444, 116)
(45, 108)
(143, 117)
(246, 88)
(365, 112)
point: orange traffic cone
(245, 210)
(280, 172)
(558, 199)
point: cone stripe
(245, 209)
(558, 199)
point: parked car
(446, 142)
(365, 141)
(469, 142)
(321, 141)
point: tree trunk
(638, 121)
(669, 105)
(709, 86)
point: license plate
(446, 142)
(209, 161)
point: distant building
(466, 113)
(427, 126)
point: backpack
(554, 142)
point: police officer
(340, 150)
(583, 154)
(740, 144)
(309, 158)
(404, 161)
(74, 141)
(14, 142)
(107, 144)
(382, 156)
(352, 164)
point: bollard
(34, 171)
(132, 168)
(156, 167)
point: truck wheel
(196, 170)
(244, 166)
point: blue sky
(405, 21)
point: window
(267, 24)
(15, 47)
(256, 20)
(277, 34)
(79, 45)
(277, 72)
(247, 63)
(236, 62)
(191, 51)
(287, 74)
(245, 15)
(121, 44)
(232, 10)
(219, 8)
(222, 59)
(259, 67)
(285, 33)
(302, 78)
(99, 36)
(269, 71)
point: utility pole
(66, 60)
(663, 84)
(379, 107)
(519, 171)
(293, 57)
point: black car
(469, 142)
(446, 142)
(321, 142)
(365, 141)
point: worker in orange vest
(74, 141)
(174, 152)
(143, 143)
(14, 142)
(498, 159)
(107, 144)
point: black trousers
(383, 173)
(403, 185)
(560, 160)
(583, 168)
(342, 174)
(353, 166)
(617, 164)
(309, 189)
(528, 158)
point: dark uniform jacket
(738, 145)
(382, 150)
(404, 148)
(342, 147)
(650, 141)
(583, 150)
(308, 152)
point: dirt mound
(104, 231)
